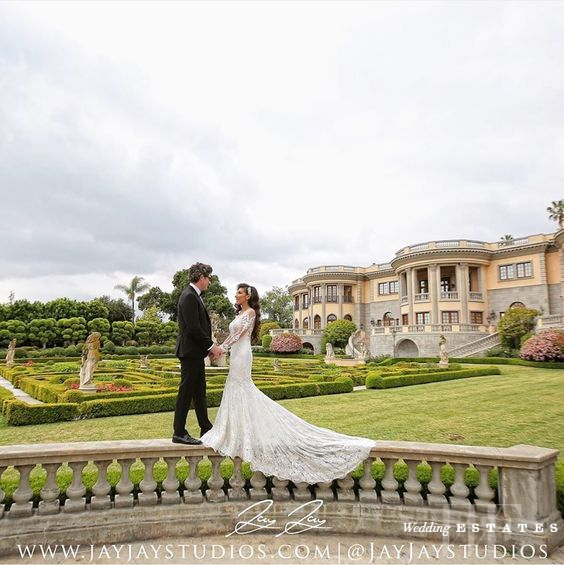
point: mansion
(458, 287)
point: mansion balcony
(429, 328)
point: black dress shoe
(186, 439)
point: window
(524, 270)
(388, 319)
(296, 302)
(423, 286)
(476, 318)
(449, 317)
(391, 287)
(305, 323)
(305, 301)
(517, 305)
(506, 272)
(331, 318)
(331, 293)
(404, 319)
(348, 317)
(317, 322)
(316, 294)
(347, 294)
(422, 318)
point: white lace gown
(252, 426)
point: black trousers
(192, 389)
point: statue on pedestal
(11, 353)
(90, 358)
(144, 363)
(443, 352)
(329, 352)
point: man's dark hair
(198, 270)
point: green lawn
(522, 405)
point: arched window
(348, 317)
(305, 323)
(331, 318)
(388, 319)
(517, 305)
(317, 322)
(296, 324)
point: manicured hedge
(378, 381)
(17, 413)
(477, 360)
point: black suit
(192, 347)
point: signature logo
(254, 519)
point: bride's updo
(254, 304)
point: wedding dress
(252, 426)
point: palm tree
(135, 287)
(506, 239)
(556, 212)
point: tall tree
(277, 305)
(556, 212)
(136, 286)
(506, 239)
(118, 310)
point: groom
(193, 345)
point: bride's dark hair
(254, 304)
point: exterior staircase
(476, 348)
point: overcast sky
(265, 138)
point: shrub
(545, 346)
(338, 332)
(516, 323)
(266, 341)
(19, 413)
(109, 346)
(69, 383)
(286, 343)
(265, 327)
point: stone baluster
(459, 490)
(302, 492)
(483, 491)
(148, 496)
(101, 490)
(215, 482)
(76, 491)
(258, 484)
(345, 492)
(436, 487)
(2, 494)
(49, 503)
(124, 488)
(367, 483)
(390, 494)
(412, 496)
(280, 490)
(323, 491)
(193, 483)
(22, 505)
(237, 482)
(170, 494)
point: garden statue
(329, 352)
(144, 364)
(90, 358)
(443, 352)
(357, 346)
(276, 364)
(11, 353)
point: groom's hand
(215, 352)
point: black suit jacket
(194, 326)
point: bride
(257, 429)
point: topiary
(545, 346)
(338, 332)
(266, 341)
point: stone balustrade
(525, 494)
(429, 328)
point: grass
(523, 405)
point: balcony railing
(476, 296)
(422, 297)
(347, 298)
(404, 299)
(317, 299)
(449, 295)
(525, 493)
(332, 298)
(429, 328)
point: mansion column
(340, 292)
(435, 290)
(409, 281)
(358, 305)
(463, 291)
(323, 305)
